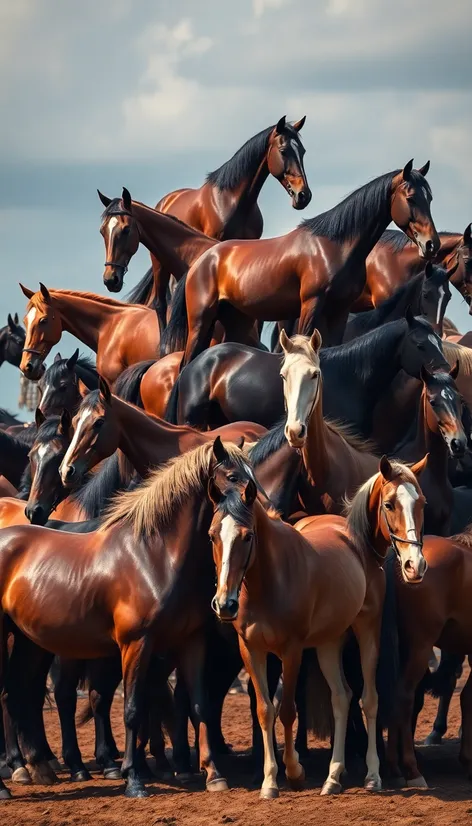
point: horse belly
(263, 295)
(340, 594)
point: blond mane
(457, 352)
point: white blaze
(407, 496)
(442, 293)
(111, 226)
(85, 415)
(228, 534)
(31, 316)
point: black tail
(172, 409)
(446, 675)
(142, 292)
(174, 337)
(128, 384)
(388, 666)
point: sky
(153, 94)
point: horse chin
(411, 577)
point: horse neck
(173, 243)
(374, 224)
(315, 451)
(276, 542)
(431, 441)
(84, 316)
(383, 366)
(145, 440)
(245, 196)
(379, 544)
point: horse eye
(232, 477)
(99, 423)
(388, 506)
(248, 537)
(42, 320)
(125, 231)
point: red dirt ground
(100, 803)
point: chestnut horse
(120, 334)
(314, 273)
(395, 259)
(280, 586)
(142, 582)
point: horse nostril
(231, 606)
(36, 515)
(429, 246)
(302, 433)
(28, 368)
(70, 472)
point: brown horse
(142, 582)
(104, 423)
(437, 613)
(395, 259)
(314, 273)
(120, 334)
(280, 586)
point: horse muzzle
(227, 610)
(36, 514)
(32, 367)
(414, 570)
(296, 434)
(301, 199)
(114, 277)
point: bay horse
(314, 273)
(59, 384)
(105, 423)
(437, 614)
(395, 259)
(279, 585)
(12, 339)
(120, 334)
(232, 381)
(146, 586)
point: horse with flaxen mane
(314, 273)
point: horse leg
(311, 316)
(465, 754)
(290, 668)
(5, 793)
(104, 678)
(412, 674)
(274, 670)
(367, 631)
(202, 312)
(135, 658)
(192, 663)
(181, 751)
(301, 740)
(255, 662)
(451, 663)
(161, 713)
(65, 694)
(330, 660)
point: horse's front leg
(330, 660)
(414, 669)
(135, 658)
(255, 662)
(65, 694)
(192, 664)
(290, 670)
(367, 631)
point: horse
(231, 381)
(120, 334)
(146, 587)
(437, 614)
(395, 259)
(279, 585)
(12, 339)
(59, 384)
(427, 294)
(314, 273)
(105, 423)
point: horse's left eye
(248, 537)
(42, 320)
(388, 506)
(232, 477)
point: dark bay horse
(279, 585)
(12, 340)
(231, 380)
(314, 273)
(59, 384)
(120, 334)
(145, 587)
(395, 259)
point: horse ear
(66, 422)
(16, 319)
(409, 316)
(82, 388)
(126, 198)
(250, 493)
(26, 291)
(240, 443)
(468, 235)
(39, 417)
(425, 169)
(105, 391)
(214, 493)
(72, 361)
(419, 467)
(45, 293)
(454, 371)
(104, 199)
(385, 468)
(219, 450)
(57, 358)
(281, 125)
(299, 124)
(428, 270)
(407, 170)
(285, 342)
(11, 323)
(316, 341)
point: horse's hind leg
(465, 754)
(367, 630)
(290, 669)
(5, 793)
(453, 667)
(330, 660)
(104, 677)
(135, 657)
(65, 694)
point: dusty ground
(100, 803)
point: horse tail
(172, 409)
(388, 666)
(142, 292)
(444, 678)
(128, 383)
(319, 711)
(174, 337)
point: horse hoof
(42, 774)
(80, 776)
(22, 776)
(269, 793)
(433, 739)
(331, 787)
(417, 783)
(112, 773)
(136, 791)
(396, 782)
(187, 778)
(373, 784)
(55, 765)
(219, 784)
(5, 772)
(5, 794)
(297, 784)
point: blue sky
(153, 95)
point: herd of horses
(325, 482)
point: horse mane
(268, 444)
(150, 507)
(26, 436)
(355, 353)
(244, 163)
(101, 299)
(96, 494)
(84, 368)
(346, 220)
(409, 291)
(350, 437)
(356, 508)
(464, 538)
(8, 418)
(457, 352)
(449, 327)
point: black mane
(347, 220)
(269, 444)
(95, 496)
(85, 369)
(408, 293)
(397, 240)
(232, 505)
(243, 164)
